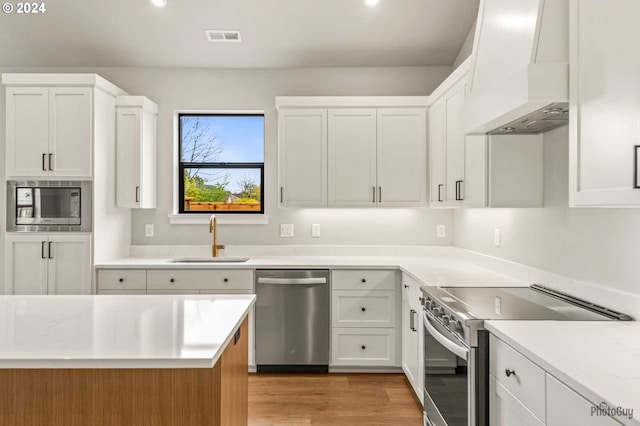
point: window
(221, 166)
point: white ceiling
(275, 33)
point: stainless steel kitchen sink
(209, 260)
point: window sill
(223, 219)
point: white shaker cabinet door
(604, 108)
(410, 342)
(455, 178)
(566, 407)
(303, 157)
(69, 264)
(352, 157)
(436, 157)
(26, 264)
(70, 131)
(128, 137)
(27, 131)
(402, 157)
(506, 410)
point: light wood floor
(332, 399)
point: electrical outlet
(498, 306)
(148, 230)
(441, 231)
(315, 230)
(286, 230)
(496, 238)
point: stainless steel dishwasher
(292, 320)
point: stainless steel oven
(45, 206)
(455, 391)
(456, 345)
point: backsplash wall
(588, 244)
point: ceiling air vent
(223, 36)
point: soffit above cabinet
(66, 80)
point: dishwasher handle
(263, 280)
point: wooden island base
(130, 397)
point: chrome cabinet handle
(374, 194)
(459, 190)
(50, 161)
(412, 325)
(50, 251)
(509, 372)
(137, 194)
(440, 192)
(282, 194)
(42, 250)
(379, 194)
(44, 157)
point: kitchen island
(124, 360)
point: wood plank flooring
(332, 399)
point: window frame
(217, 165)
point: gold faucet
(213, 229)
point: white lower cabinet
(363, 347)
(566, 407)
(506, 410)
(364, 309)
(412, 335)
(523, 394)
(48, 264)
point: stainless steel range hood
(519, 81)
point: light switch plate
(148, 230)
(286, 230)
(315, 230)
(441, 231)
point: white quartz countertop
(118, 331)
(599, 360)
(429, 270)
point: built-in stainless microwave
(46, 206)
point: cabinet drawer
(506, 410)
(122, 279)
(363, 280)
(200, 279)
(528, 382)
(363, 347)
(354, 308)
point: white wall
(594, 245)
(230, 89)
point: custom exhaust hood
(519, 81)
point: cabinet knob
(363, 309)
(226, 280)
(509, 372)
(363, 280)
(406, 286)
(171, 280)
(121, 280)
(363, 347)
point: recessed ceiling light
(371, 3)
(159, 3)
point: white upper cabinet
(27, 131)
(136, 152)
(604, 103)
(354, 152)
(352, 157)
(302, 135)
(70, 131)
(49, 131)
(402, 157)
(437, 152)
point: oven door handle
(459, 350)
